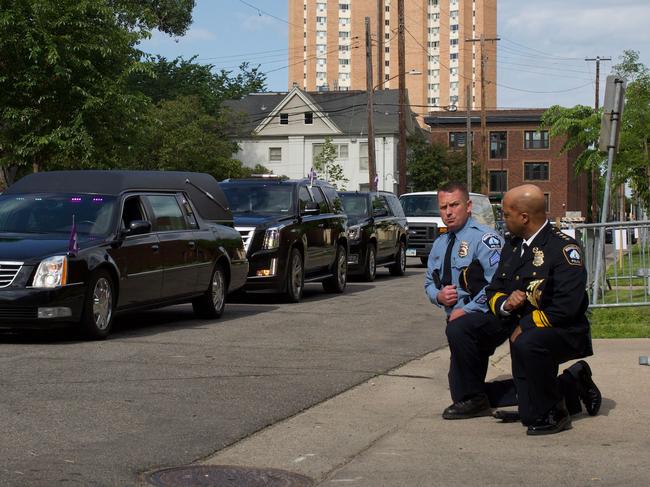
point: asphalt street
(166, 389)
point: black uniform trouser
(472, 340)
(536, 356)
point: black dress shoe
(554, 421)
(588, 392)
(507, 416)
(473, 407)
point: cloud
(198, 34)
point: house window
(498, 181)
(536, 139)
(498, 145)
(284, 119)
(536, 171)
(309, 118)
(275, 154)
(341, 151)
(363, 156)
(457, 140)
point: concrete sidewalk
(389, 432)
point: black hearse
(79, 246)
(377, 233)
(294, 231)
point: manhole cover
(226, 476)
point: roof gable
(295, 104)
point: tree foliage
(432, 165)
(76, 92)
(326, 165)
(168, 80)
(63, 67)
(581, 126)
(169, 16)
(633, 160)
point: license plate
(410, 252)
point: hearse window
(189, 213)
(132, 211)
(167, 213)
(45, 213)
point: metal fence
(619, 275)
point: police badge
(538, 257)
(463, 249)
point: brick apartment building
(327, 48)
(520, 152)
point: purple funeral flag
(73, 245)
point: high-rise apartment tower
(327, 48)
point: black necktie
(446, 270)
(524, 249)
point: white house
(287, 130)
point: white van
(423, 216)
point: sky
(540, 59)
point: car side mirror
(311, 208)
(380, 212)
(138, 227)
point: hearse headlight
(52, 272)
(271, 238)
(354, 232)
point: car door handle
(155, 247)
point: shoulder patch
(495, 256)
(482, 299)
(572, 254)
(491, 241)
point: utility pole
(372, 170)
(594, 172)
(483, 154)
(468, 136)
(401, 153)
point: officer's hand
(515, 334)
(447, 296)
(457, 313)
(515, 300)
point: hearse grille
(8, 272)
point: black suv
(377, 233)
(294, 231)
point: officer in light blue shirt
(461, 264)
(473, 242)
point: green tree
(325, 164)
(168, 80)
(633, 159)
(169, 16)
(432, 165)
(581, 126)
(63, 67)
(182, 135)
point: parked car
(81, 246)
(377, 233)
(294, 232)
(423, 215)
